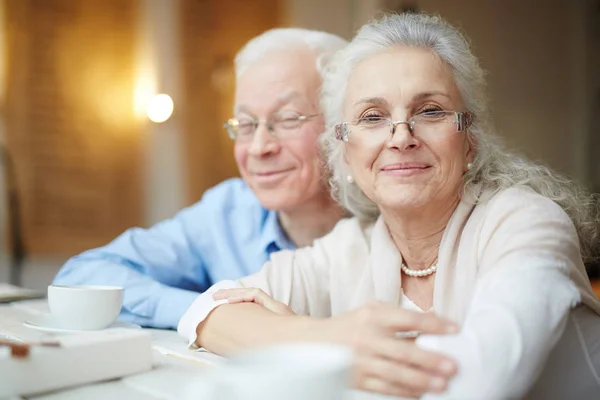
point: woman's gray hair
(322, 43)
(493, 166)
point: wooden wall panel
(70, 120)
(212, 32)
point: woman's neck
(311, 221)
(417, 233)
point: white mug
(85, 307)
(295, 371)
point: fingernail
(446, 367)
(452, 328)
(437, 384)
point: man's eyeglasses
(426, 125)
(279, 125)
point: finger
(401, 377)
(226, 293)
(407, 352)
(379, 386)
(363, 379)
(243, 295)
(235, 300)
(253, 295)
(274, 305)
(259, 297)
(400, 320)
(271, 304)
(252, 298)
(249, 294)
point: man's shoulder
(228, 197)
(231, 193)
(233, 189)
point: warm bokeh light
(2, 55)
(159, 108)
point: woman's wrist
(317, 330)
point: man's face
(283, 167)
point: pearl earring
(469, 166)
(350, 179)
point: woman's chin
(407, 200)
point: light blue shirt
(226, 235)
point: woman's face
(405, 171)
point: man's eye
(291, 116)
(245, 127)
(288, 121)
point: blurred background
(82, 158)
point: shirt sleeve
(520, 304)
(299, 279)
(161, 268)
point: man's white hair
(322, 43)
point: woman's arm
(510, 330)
(232, 327)
(296, 278)
(520, 304)
(383, 363)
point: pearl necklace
(419, 273)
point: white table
(175, 368)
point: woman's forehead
(401, 73)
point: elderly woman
(446, 221)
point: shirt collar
(272, 236)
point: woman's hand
(383, 363)
(389, 365)
(253, 295)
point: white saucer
(46, 323)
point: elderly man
(282, 202)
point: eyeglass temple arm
(463, 120)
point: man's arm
(157, 267)
(161, 268)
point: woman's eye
(371, 119)
(432, 114)
(430, 110)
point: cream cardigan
(509, 272)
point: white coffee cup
(84, 307)
(296, 371)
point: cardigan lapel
(385, 265)
(447, 300)
(385, 260)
